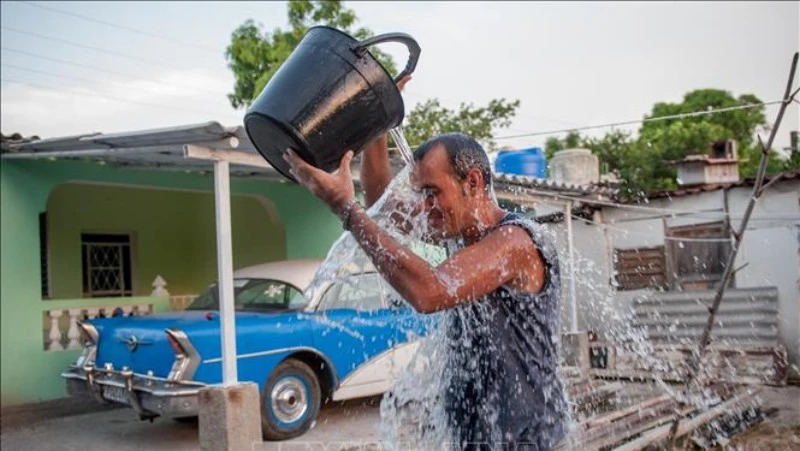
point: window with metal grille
(699, 261)
(106, 262)
(640, 268)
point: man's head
(454, 175)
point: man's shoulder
(515, 231)
(536, 232)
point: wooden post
(573, 302)
(697, 357)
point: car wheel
(290, 401)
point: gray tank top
(503, 386)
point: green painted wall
(173, 234)
(27, 372)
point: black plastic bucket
(328, 97)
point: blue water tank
(524, 162)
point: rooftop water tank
(575, 167)
(530, 162)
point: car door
(409, 327)
(354, 329)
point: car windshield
(253, 295)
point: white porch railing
(176, 302)
(180, 302)
(62, 331)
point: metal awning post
(227, 311)
(573, 302)
(229, 415)
(222, 204)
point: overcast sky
(570, 64)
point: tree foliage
(554, 144)
(254, 55)
(641, 160)
(430, 118)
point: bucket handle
(408, 41)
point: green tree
(620, 152)
(675, 138)
(430, 118)
(553, 144)
(641, 161)
(255, 55)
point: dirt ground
(71, 425)
(779, 431)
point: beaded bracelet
(347, 212)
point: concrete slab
(121, 430)
(230, 417)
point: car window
(362, 292)
(393, 298)
(296, 297)
(262, 295)
(253, 295)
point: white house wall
(594, 294)
(771, 248)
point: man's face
(444, 197)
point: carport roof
(154, 148)
(163, 148)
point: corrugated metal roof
(527, 181)
(15, 138)
(163, 148)
(153, 148)
(746, 316)
(787, 175)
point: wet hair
(463, 152)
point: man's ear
(474, 181)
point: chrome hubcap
(288, 399)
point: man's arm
(505, 255)
(375, 171)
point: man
(501, 289)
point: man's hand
(336, 189)
(402, 83)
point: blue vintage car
(344, 339)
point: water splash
(413, 415)
(402, 145)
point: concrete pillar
(230, 418)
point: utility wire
(99, 69)
(113, 53)
(612, 228)
(666, 237)
(661, 211)
(640, 121)
(36, 71)
(127, 28)
(71, 77)
(91, 94)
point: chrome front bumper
(149, 396)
